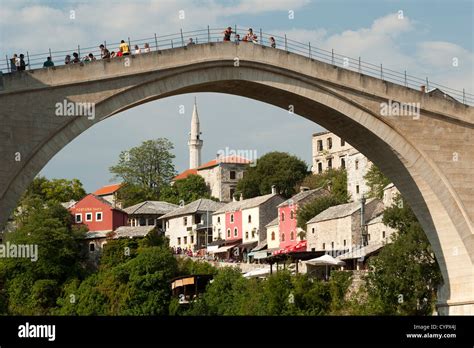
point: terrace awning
(224, 248)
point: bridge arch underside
(434, 202)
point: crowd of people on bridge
(17, 63)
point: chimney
(274, 191)
(304, 188)
(362, 221)
(241, 197)
(423, 88)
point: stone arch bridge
(429, 158)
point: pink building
(290, 233)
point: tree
(187, 190)
(376, 182)
(32, 286)
(275, 168)
(405, 273)
(146, 168)
(334, 180)
(313, 208)
(60, 190)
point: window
(185, 240)
(88, 216)
(219, 235)
(357, 189)
(357, 164)
(320, 167)
(236, 232)
(151, 222)
(197, 218)
(232, 175)
(312, 230)
(282, 237)
(253, 233)
(368, 236)
(231, 217)
(228, 233)
(218, 219)
(320, 145)
(78, 218)
(142, 222)
(246, 234)
(273, 235)
(332, 245)
(292, 215)
(179, 240)
(250, 218)
(324, 246)
(344, 242)
(329, 141)
(292, 235)
(383, 234)
(343, 163)
(185, 222)
(231, 193)
(98, 216)
(91, 247)
(282, 216)
(313, 249)
(192, 239)
(330, 163)
(343, 143)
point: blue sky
(424, 43)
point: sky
(423, 42)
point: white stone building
(329, 151)
(357, 167)
(273, 234)
(190, 227)
(338, 228)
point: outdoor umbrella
(325, 260)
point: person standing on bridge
(49, 63)
(124, 48)
(104, 52)
(22, 63)
(227, 33)
(147, 48)
(13, 63)
(272, 42)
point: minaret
(195, 143)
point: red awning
(300, 246)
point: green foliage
(187, 266)
(32, 287)
(405, 274)
(140, 286)
(187, 190)
(333, 180)
(275, 168)
(376, 182)
(339, 283)
(59, 190)
(146, 169)
(313, 208)
(118, 251)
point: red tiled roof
(214, 162)
(228, 159)
(107, 190)
(185, 174)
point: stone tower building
(194, 142)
